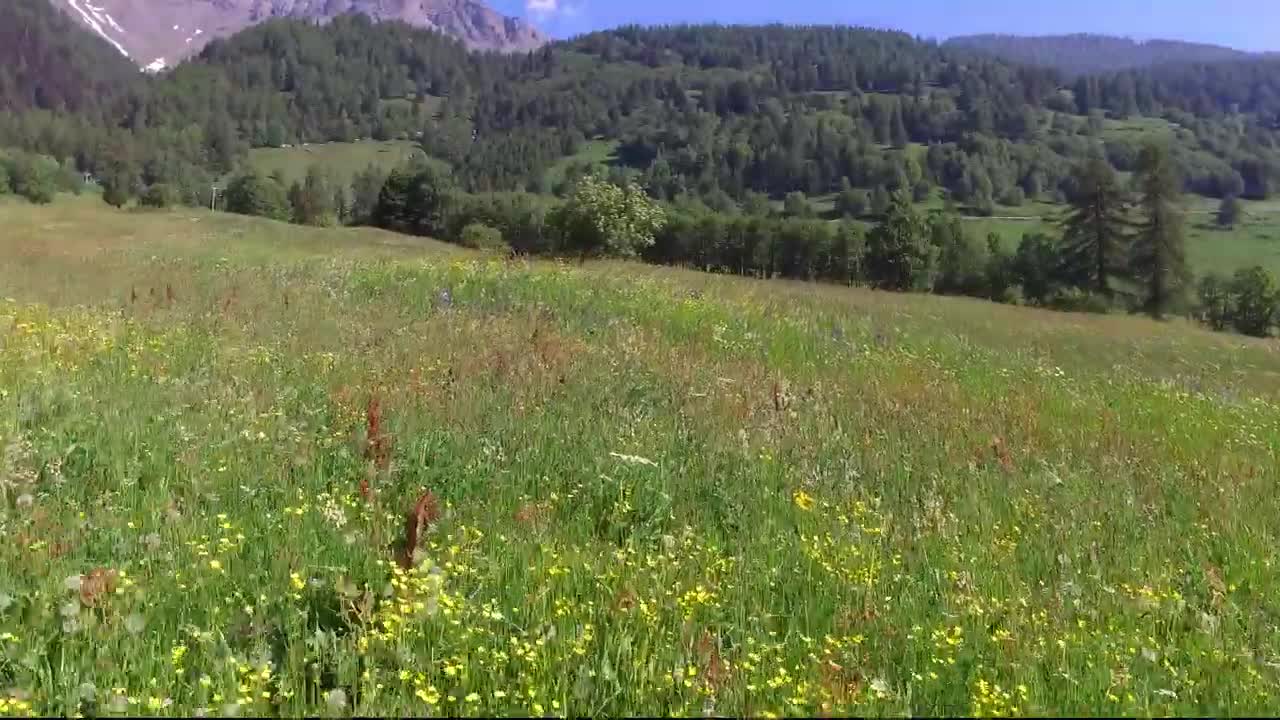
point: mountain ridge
(158, 34)
(1090, 53)
(49, 61)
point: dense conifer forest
(835, 153)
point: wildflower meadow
(249, 469)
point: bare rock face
(160, 33)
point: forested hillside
(283, 82)
(750, 136)
(716, 112)
(719, 112)
(1082, 53)
(48, 61)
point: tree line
(715, 112)
(1089, 54)
(1117, 248)
(38, 178)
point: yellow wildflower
(803, 500)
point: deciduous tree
(252, 194)
(1253, 301)
(601, 218)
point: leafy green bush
(1074, 299)
(35, 177)
(603, 218)
(252, 194)
(1215, 302)
(482, 237)
(160, 195)
(1253, 299)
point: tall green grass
(642, 491)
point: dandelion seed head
(336, 699)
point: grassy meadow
(255, 469)
(344, 160)
(593, 152)
(1255, 240)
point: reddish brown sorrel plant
(424, 512)
(377, 448)
(1002, 454)
(99, 582)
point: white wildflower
(135, 623)
(634, 459)
(336, 699)
(330, 510)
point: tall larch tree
(1095, 239)
(1159, 248)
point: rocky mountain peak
(157, 34)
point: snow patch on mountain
(173, 30)
(94, 17)
(102, 13)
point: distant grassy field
(1254, 241)
(1142, 128)
(431, 104)
(342, 159)
(255, 469)
(595, 152)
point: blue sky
(1246, 24)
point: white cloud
(546, 9)
(558, 18)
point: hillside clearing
(1254, 241)
(343, 160)
(593, 152)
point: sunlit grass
(342, 160)
(650, 491)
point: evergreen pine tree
(1094, 243)
(1229, 211)
(1159, 248)
(900, 255)
(312, 199)
(898, 130)
(880, 200)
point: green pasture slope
(257, 469)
